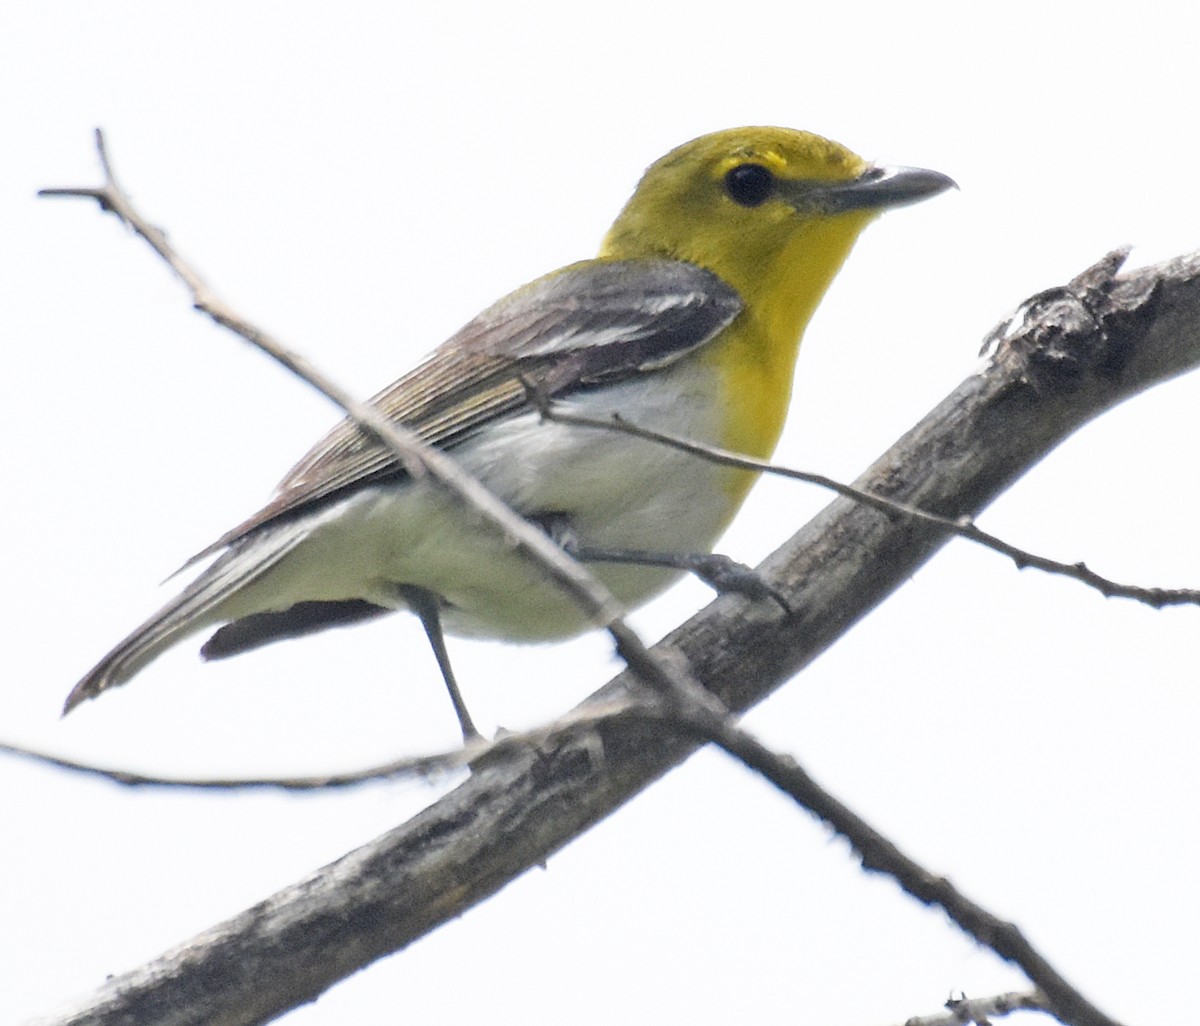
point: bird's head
(764, 208)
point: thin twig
(412, 453)
(964, 1011)
(964, 527)
(414, 767)
(880, 855)
(418, 766)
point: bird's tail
(171, 624)
(201, 604)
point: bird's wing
(588, 324)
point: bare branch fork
(1061, 367)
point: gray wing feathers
(588, 324)
(627, 315)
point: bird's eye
(749, 184)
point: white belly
(615, 491)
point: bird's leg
(425, 605)
(719, 572)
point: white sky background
(364, 182)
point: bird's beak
(877, 188)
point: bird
(687, 322)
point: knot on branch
(1083, 332)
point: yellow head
(773, 211)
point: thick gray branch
(1077, 352)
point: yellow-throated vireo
(688, 322)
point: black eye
(749, 184)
